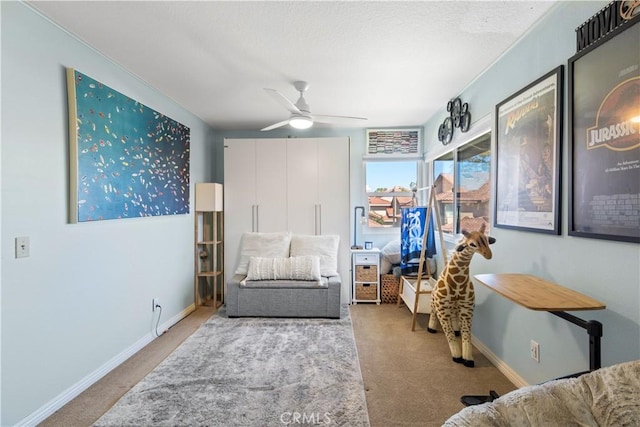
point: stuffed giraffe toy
(453, 297)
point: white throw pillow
(390, 256)
(391, 251)
(326, 247)
(266, 245)
(294, 268)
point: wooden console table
(538, 294)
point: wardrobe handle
(318, 220)
(254, 218)
(257, 218)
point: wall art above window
(459, 117)
(393, 142)
(126, 160)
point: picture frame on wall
(126, 160)
(395, 143)
(604, 138)
(528, 133)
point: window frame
(420, 179)
(481, 128)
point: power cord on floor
(158, 321)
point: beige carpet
(409, 377)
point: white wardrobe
(299, 185)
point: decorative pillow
(294, 268)
(391, 251)
(325, 247)
(385, 266)
(390, 256)
(267, 245)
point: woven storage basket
(390, 286)
(366, 291)
(366, 273)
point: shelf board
(209, 273)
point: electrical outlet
(155, 303)
(535, 351)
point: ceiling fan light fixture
(300, 122)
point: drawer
(366, 291)
(366, 273)
(366, 259)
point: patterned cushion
(268, 245)
(293, 268)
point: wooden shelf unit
(208, 248)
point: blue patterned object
(132, 161)
(412, 228)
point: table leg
(594, 329)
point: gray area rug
(253, 372)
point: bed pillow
(390, 256)
(325, 247)
(266, 245)
(294, 268)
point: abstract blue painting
(126, 159)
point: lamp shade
(300, 122)
(209, 197)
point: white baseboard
(511, 375)
(72, 392)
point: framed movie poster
(604, 163)
(528, 143)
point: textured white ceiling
(395, 63)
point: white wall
(606, 270)
(82, 301)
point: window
(462, 180)
(389, 188)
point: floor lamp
(355, 222)
(209, 250)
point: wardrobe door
(271, 185)
(303, 210)
(333, 198)
(239, 196)
(333, 188)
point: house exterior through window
(389, 188)
(462, 180)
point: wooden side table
(365, 266)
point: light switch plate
(22, 247)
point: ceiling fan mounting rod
(301, 86)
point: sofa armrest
(231, 298)
(333, 299)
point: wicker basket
(366, 273)
(366, 291)
(390, 286)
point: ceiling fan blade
(282, 100)
(276, 125)
(320, 118)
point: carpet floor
(253, 372)
(409, 378)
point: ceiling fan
(301, 117)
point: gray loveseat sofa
(283, 298)
(285, 275)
